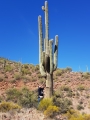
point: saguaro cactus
(20, 67)
(4, 64)
(47, 53)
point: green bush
(8, 68)
(17, 76)
(13, 81)
(34, 79)
(42, 80)
(70, 94)
(36, 67)
(25, 71)
(79, 107)
(65, 88)
(0, 99)
(6, 106)
(39, 76)
(26, 66)
(86, 75)
(13, 94)
(1, 79)
(63, 103)
(68, 69)
(58, 93)
(26, 98)
(59, 72)
(81, 88)
(23, 97)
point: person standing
(40, 93)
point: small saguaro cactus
(47, 54)
(4, 64)
(20, 67)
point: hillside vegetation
(18, 90)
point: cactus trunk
(49, 86)
(56, 52)
(40, 38)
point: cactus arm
(43, 60)
(20, 67)
(56, 52)
(44, 44)
(51, 55)
(42, 71)
(40, 38)
(46, 26)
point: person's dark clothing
(40, 91)
(40, 94)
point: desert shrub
(36, 67)
(71, 112)
(86, 75)
(65, 88)
(29, 73)
(25, 71)
(79, 107)
(34, 79)
(23, 97)
(70, 94)
(77, 94)
(13, 94)
(8, 68)
(39, 76)
(1, 60)
(54, 77)
(45, 103)
(89, 104)
(17, 76)
(0, 99)
(58, 93)
(86, 117)
(33, 69)
(63, 103)
(59, 72)
(26, 78)
(75, 115)
(68, 69)
(51, 111)
(6, 106)
(31, 66)
(13, 81)
(42, 80)
(80, 102)
(26, 100)
(6, 76)
(1, 79)
(26, 66)
(87, 96)
(81, 88)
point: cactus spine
(47, 57)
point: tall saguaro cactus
(47, 53)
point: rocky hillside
(73, 87)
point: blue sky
(70, 19)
